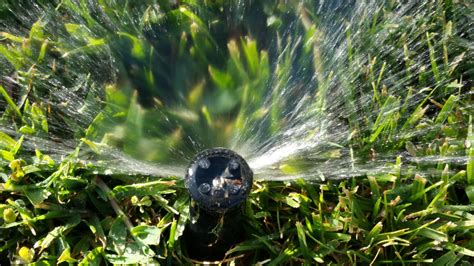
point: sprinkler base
(209, 236)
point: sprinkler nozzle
(218, 180)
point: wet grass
(90, 73)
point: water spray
(219, 181)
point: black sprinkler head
(219, 180)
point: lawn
(103, 104)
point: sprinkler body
(218, 180)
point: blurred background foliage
(203, 74)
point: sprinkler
(218, 180)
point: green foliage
(152, 77)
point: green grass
(107, 74)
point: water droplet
(204, 163)
(204, 188)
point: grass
(107, 74)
